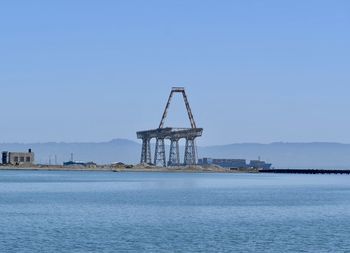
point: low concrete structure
(18, 158)
(79, 163)
(257, 164)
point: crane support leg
(190, 152)
(174, 157)
(159, 158)
(146, 156)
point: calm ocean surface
(180, 212)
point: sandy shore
(137, 168)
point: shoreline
(137, 168)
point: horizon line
(204, 146)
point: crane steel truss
(174, 135)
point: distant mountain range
(287, 155)
(281, 155)
(99, 152)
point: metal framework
(174, 157)
(159, 158)
(189, 111)
(146, 156)
(174, 135)
(190, 151)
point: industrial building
(72, 163)
(18, 158)
(225, 163)
(235, 163)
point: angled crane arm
(165, 114)
(189, 111)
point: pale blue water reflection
(180, 212)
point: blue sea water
(173, 212)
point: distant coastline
(137, 168)
(281, 155)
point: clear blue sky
(255, 71)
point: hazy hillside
(293, 155)
(102, 152)
(286, 155)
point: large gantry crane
(174, 135)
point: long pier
(305, 171)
